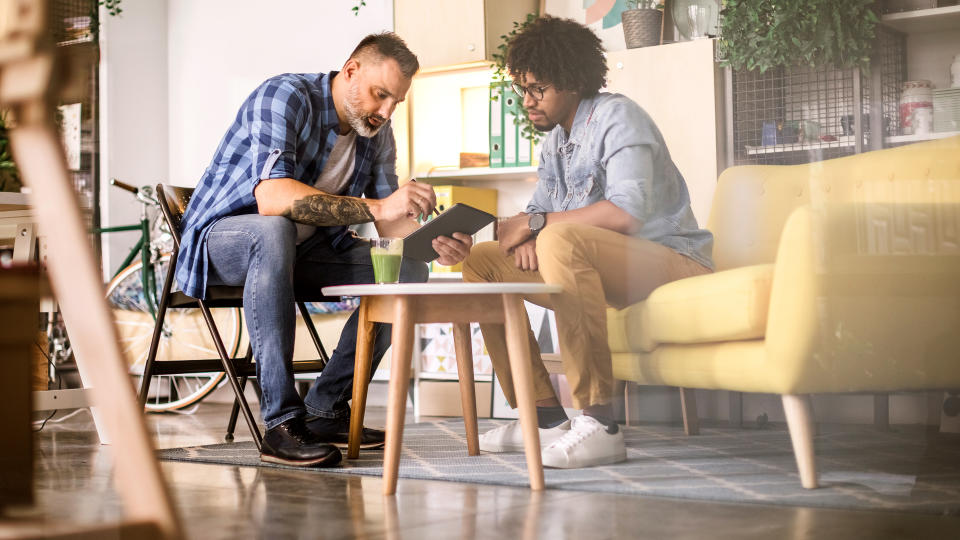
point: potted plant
(9, 176)
(501, 76)
(764, 34)
(642, 23)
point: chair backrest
(752, 203)
(173, 203)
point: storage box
(438, 354)
(442, 398)
(479, 198)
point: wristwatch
(536, 222)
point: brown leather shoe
(291, 443)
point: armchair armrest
(865, 297)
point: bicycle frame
(141, 248)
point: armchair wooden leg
(688, 403)
(631, 407)
(799, 413)
(468, 399)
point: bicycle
(135, 307)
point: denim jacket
(615, 152)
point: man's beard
(545, 125)
(360, 121)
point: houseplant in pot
(764, 34)
(9, 176)
(501, 77)
(642, 23)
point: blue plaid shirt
(285, 129)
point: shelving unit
(900, 139)
(441, 277)
(82, 54)
(481, 174)
(852, 111)
(77, 41)
(845, 141)
(924, 20)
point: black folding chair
(173, 202)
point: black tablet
(459, 218)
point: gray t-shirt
(335, 175)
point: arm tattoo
(324, 210)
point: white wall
(174, 72)
(929, 56)
(220, 50)
(133, 114)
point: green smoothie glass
(386, 254)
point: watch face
(537, 222)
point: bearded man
(307, 156)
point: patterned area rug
(901, 470)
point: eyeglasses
(536, 91)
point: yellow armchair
(835, 276)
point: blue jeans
(260, 253)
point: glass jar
(696, 19)
(915, 95)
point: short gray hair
(389, 45)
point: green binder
(496, 125)
(524, 148)
(511, 131)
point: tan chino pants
(596, 268)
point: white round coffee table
(407, 304)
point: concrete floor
(74, 485)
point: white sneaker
(585, 444)
(509, 437)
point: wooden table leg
(519, 351)
(397, 397)
(463, 343)
(361, 379)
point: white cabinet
(680, 87)
(447, 32)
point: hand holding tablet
(459, 218)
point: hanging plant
(356, 9)
(502, 76)
(112, 7)
(764, 34)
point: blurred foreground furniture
(19, 303)
(16, 225)
(835, 276)
(29, 87)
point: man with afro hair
(609, 221)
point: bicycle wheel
(185, 337)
